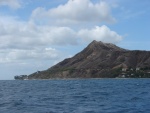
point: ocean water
(75, 96)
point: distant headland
(98, 60)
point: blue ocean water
(75, 96)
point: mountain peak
(96, 42)
(97, 45)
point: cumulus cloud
(17, 55)
(27, 36)
(15, 4)
(15, 34)
(74, 11)
(102, 33)
(23, 40)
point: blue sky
(36, 34)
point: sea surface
(75, 96)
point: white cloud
(19, 55)
(102, 33)
(11, 3)
(24, 35)
(27, 35)
(74, 11)
(22, 40)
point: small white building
(124, 69)
(131, 69)
(123, 76)
(137, 69)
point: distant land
(98, 60)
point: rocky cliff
(99, 60)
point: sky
(37, 34)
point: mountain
(100, 60)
